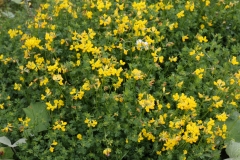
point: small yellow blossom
(137, 74)
(60, 125)
(17, 86)
(12, 33)
(184, 38)
(192, 52)
(234, 61)
(219, 83)
(175, 97)
(89, 14)
(7, 128)
(202, 26)
(185, 151)
(222, 117)
(158, 152)
(51, 149)
(2, 106)
(79, 136)
(201, 38)
(122, 63)
(54, 143)
(173, 59)
(199, 72)
(107, 151)
(90, 123)
(180, 14)
(207, 3)
(24, 122)
(189, 6)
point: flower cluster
(60, 125)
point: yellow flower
(89, 14)
(90, 123)
(184, 151)
(31, 65)
(51, 149)
(147, 103)
(199, 72)
(125, 51)
(222, 117)
(219, 83)
(175, 97)
(107, 151)
(184, 38)
(234, 61)
(192, 52)
(79, 136)
(207, 3)
(2, 106)
(54, 143)
(12, 33)
(189, 6)
(168, 105)
(170, 143)
(122, 63)
(60, 125)
(180, 14)
(192, 132)
(105, 20)
(73, 91)
(201, 38)
(218, 104)
(158, 152)
(93, 123)
(161, 59)
(24, 122)
(137, 74)
(186, 103)
(7, 128)
(172, 59)
(180, 84)
(86, 86)
(17, 86)
(31, 43)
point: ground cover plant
(116, 79)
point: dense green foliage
(115, 79)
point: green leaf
(39, 116)
(236, 158)
(7, 153)
(6, 141)
(17, 1)
(8, 14)
(20, 141)
(233, 150)
(233, 130)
